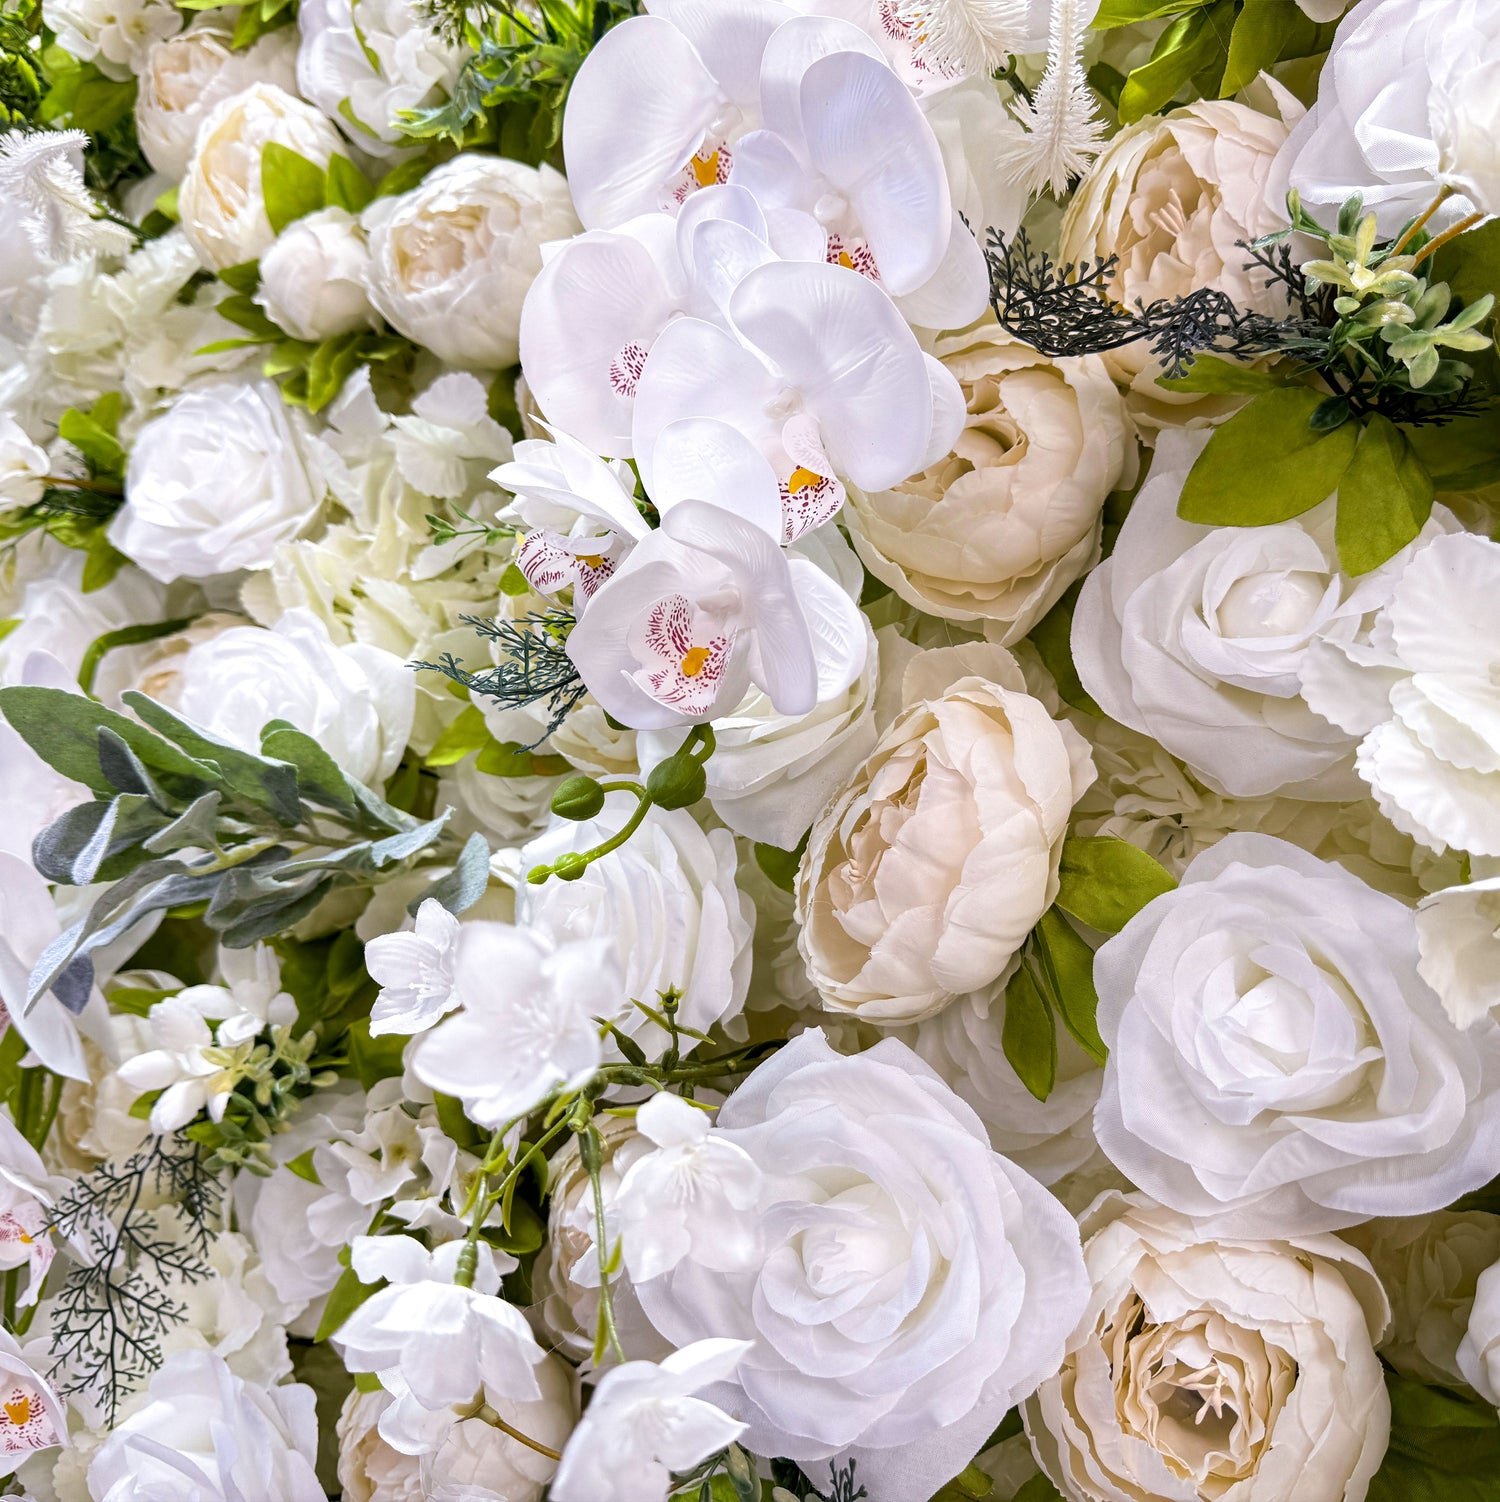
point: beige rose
(923, 877)
(1214, 1370)
(1000, 527)
(1172, 197)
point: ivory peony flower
(185, 76)
(220, 202)
(667, 899)
(1172, 196)
(204, 1435)
(450, 261)
(1196, 636)
(924, 876)
(1273, 1002)
(1403, 104)
(356, 701)
(1231, 1369)
(1479, 1351)
(1429, 1266)
(1422, 691)
(215, 484)
(912, 1283)
(363, 65)
(998, 528)
(312, 280)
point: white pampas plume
(961, 38)
(41, 173)
(1063, 134)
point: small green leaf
(1265, 32)
(94, 440)
(1265, 464)
(1052, 638)
(1210, 374)
(1384, 498)
(1191, 44)
(468, 733)
(1028, 1035)
(243, 278)
(291, 185)
(347, 187)
(1113, 13)
(347, 1295)
(126, 636)
(1067, 964)
(1104, 882)
(513, 582)
(781, 865)
(320, 779)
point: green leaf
(1067, 964)
(511, 759)
(467, 734)
(126, 636)
(1038, 1489)
(781, 865)
(1265, 464)
(513, 582)
(347, 1295)
(1113, 13)
(465, 884)
(243, 277)
(1028, 1036)
(1460, 455)
(94, 440)
(1104, 882)
(347, 187)
(332, 363)
(1191, 44)
(290, 184)
(245, 313)
(1052, 638)
(1471, 263)
(1210, 374)
(1444, 1447)
(101, 563)
(1384, 498)
(320, 779)
(373, 1059)
(1266, 31)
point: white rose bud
(185, 76)
(223, 211)
(312, 279)
(451, 260)
(215, 484)
(924, 876)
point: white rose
(912, 1283)
(1209, 1368)
(1000, 527)
(1402, 105)
(507, 810)
(1479, 1351)
(1172, 196)
(1273, 1003)
(370, 1469)
(923, 877)
(312, 280)
(362, 69)
(667, 897)
(223, 212)
(183, 77)
(452, 259)
(216, 483)
(1196, 636)
(1429, 1266)
(771, 773)
(355, 701)
(115, 35)
(204, 1435)
(1422, 692)
(1458, 934)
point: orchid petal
(949, 413)
(765, 167)
(730, 36)
(703, 459)
(836, 626)
(788, 56)
(957, 292)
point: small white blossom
(42, 171)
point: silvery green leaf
(74, 848)
(464, 885)
(398, 847)
(125, 770)
(76, 983)
(195, 827)
(271, 785)
(272, 918)
(319, 778)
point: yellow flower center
(693, 661)
(18, 1412)
(706, 169)
(593, 560)
(801, 478)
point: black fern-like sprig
(534, 666)
(115, 1305)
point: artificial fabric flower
(27, 1190)
(1214, 1367)
(913, 1283)
(221, 202)
(1458, 936)
(114, 37)
(925, 874)
(215, 483)
(1479, 1351)
(1273, 1000)
(32, 1417)
(450, 260)
(417, 970)
(312, 280)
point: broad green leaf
(1444, 1447)
(1113, 13)
(1265, 464)
(1209, 373)
(1038, 1489)
(1265, 32)
(1104, 882)
(1067, 963)
(468, 733)
(347, 187)
(1460, 455)
(1028, 1035)
(373, 1059)
(511, 759)
(1471, 263)
(319, 778)
(245, 313)
(243, 277)
(1191, 44)
(513, 582)
(781, 865)
(347, 1295)
(332, 363)
(290, 184)
(102, 561)
(1384, 498)
(1052, 638)
(524, 1231)
(96, 442)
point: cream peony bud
(223, 212)
(185, 76)
(312, 279)
(1214, 1368)
(452, 259)
(1172, 197)
(923, 877)
(1000, 527)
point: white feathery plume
(1063, 134)
(41, 173)
(965, 38)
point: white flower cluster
(677, 829)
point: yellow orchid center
(592, 560)
(706, 169)
(845, 261)
(801, 478)
(19, 1412)
(693, 661)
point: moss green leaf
(1028, 1035)
(1104, 882)
(1384, 498)
(290, 184)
